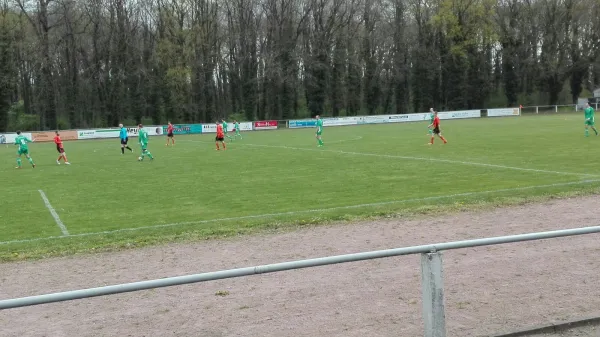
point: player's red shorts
(60, 149)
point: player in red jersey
(220, 136)
(436, 129)
(170, 129)
(60, 149)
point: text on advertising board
(265, 125)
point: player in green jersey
(319, 130)
(225, 129)
(22, 141)
(431, 117)
(236, 128)
(589, 119)
(143, 139)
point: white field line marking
(427, 159)
(269, 215)
(413, 158)
(60, 224)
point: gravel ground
(488, 289)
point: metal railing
(542, 109)
(431, 274)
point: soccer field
(270, 179)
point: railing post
(556, 108)
(432, 281)
(536, 109)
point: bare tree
(40, 21)
(7, 64)
(88, 63)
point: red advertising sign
(265, 125)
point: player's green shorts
(22, 152)
(590, 122)
(319, 132)
(144, 147)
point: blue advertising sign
(307, 123)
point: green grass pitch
(275, 179)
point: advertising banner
(339, 121)
(68, 135)
(416, 117)
(334, 121)
(151, 130)
(48, 136)
(114, 133)
(504, 112)
(209, 128)
(374, 119)
(419, 117)
(184, 129)
(398, 118)
(459, 114)
(306, 123)
(154, 130)
(9, 138)
(131, 132)
(265, 125)
(96, 134)
(43, 136)
(246, 126)
(212, 128)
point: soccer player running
(220, 136)
(143, 139)
(23, 149)
(124, 139)
(225, 129)
(431, 116)
(436, 128)
(60, 149)
(236, 129)
(170, 137)
(319, 131)
(589, 119)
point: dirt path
(488, 289)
